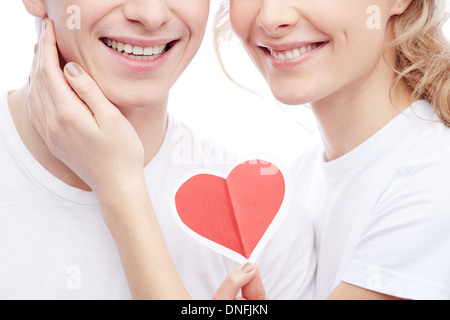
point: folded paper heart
(232, 214)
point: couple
(87, 169)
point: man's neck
(150, 123)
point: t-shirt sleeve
(404, 247)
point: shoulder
(426, 163)
(419, 188)
(431, 135)
(403, 246)
(423, 171)
(414, 203)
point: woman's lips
(295, 54)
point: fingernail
(248, 267)
(35, 48)
(73, 69)
(44, 24)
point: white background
(203, 97)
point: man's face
(134, 49)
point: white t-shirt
(55, 245)
(382, 211)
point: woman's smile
(279, 57)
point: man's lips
(139, 49)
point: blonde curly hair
(423, 54)
(421, 49)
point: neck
(150, 124)
(352, 115)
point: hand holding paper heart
(236, 214)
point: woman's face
(134, 49)
(310, 49)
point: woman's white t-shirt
(382, 212)
(54, 243)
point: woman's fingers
(245, 277)
(46, 69)
(254, 290)
(62, 100)
(35, 108)
(233, 283)
(32, 91)
(88, 91)
(35, 111)
(49, 65)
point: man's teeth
(136, 52)
(292, 54)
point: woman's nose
(277, 16)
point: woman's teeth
(136, 52)
(293, 54)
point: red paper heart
(235, 211)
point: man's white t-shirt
(55, 245)
(382, 211)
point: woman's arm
(129, 215)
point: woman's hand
(245, 278)
(80, 125)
